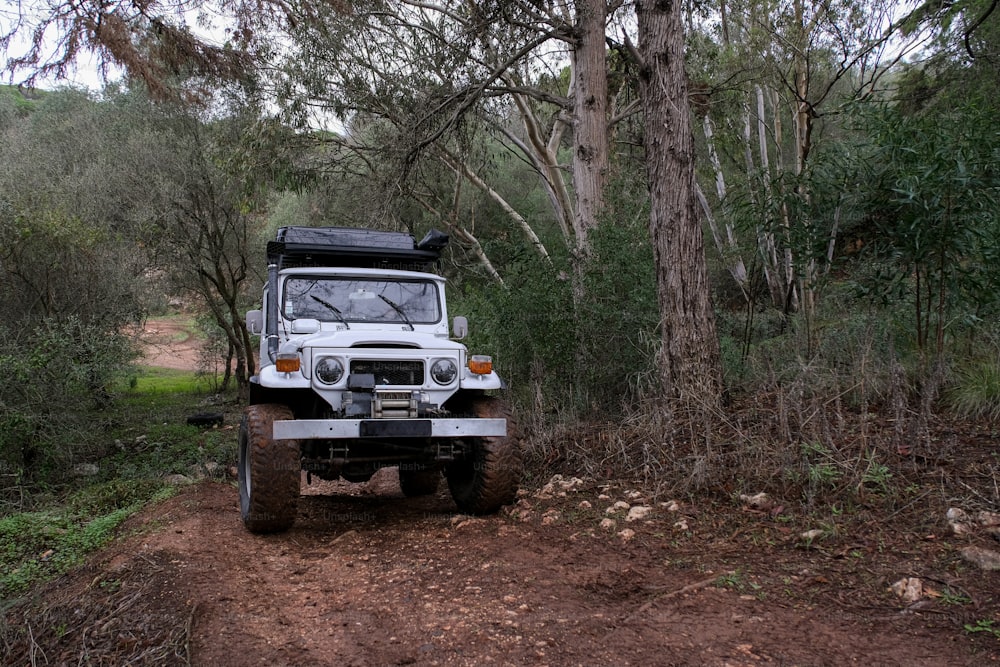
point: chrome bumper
(325, 429)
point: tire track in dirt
(368, 577)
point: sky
(85, 72)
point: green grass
(984, 625)
(153, 381)
(975, 391)
(36, 546)
(59, 518)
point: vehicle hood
(374, 339)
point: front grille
(390, 372)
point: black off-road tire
(488, 478)
(269, 471)
(418, 481)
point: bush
(60, 378)
(527, 325)
(568, 356)
(975, 389)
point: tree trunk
(690, 364)
(590, 120)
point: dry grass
(127, 617)
(817, 438)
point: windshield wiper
(395, 306)
(336, 311)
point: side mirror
(255, 322)
(460, 327)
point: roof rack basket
(350, 247)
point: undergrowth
(35, 546)
(49, 523)
(857, 424)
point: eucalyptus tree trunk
(590, 119)
(690, 365)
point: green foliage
(933, 199)
(151, 385)
(128, 447)
(171, 448)
(35, 546)
(59, 265)
(876, 475)
(974, 390)
(619, 316)
(527, 325)
(850, 355)
(16, 103)
(60, 377)
(984, 625)
(822, 468)
(560, 355)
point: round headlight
(444, 371)
(329, 370)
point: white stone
(959, 522)
(571, 484)
(988, 518)
(608, 524)
(86, 469)
(638, 512)
(983, 558)
(956, 514)
(811, 534)
(617, 507)
(757, 501)
(626, 534)
(177, 480)
(909, 589)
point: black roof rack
(351, 247)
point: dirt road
(171, 342)
(367, 577)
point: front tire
(488, 477)
(269, 471)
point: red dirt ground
(170, 343)
(368, 577)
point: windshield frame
(356, 297)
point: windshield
(331, 299)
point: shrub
(59, 380)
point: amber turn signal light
(287, 363)
(481, 364)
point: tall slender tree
(690, 363)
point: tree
(437, 82)
(148, 39)
(780, 76)
(73, 270)
(690, 365)
(933, 198)
(207, 222)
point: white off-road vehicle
(358, 371)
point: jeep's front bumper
(333, 429)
